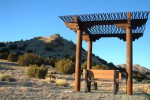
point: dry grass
(7, 77)
(61, 82)
(50, 80)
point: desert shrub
(4, 50)
(7, 77)
(42, 72)
(32, 71)
(48, 47)
(50, 80)
(30, 58)
(39, 37)
(65, 66)
(12, 57)
(69, 57)
(148, 81)
(25, 44)
(51, 75)
(18, 53)
(148, 76)
(104, 67)
(21, 48)
(4, 55)
(13, 47)
(2, 44)
(30, 51)
(61, 82)
(37, 72)
(49, 61)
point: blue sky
(25, 19)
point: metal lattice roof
(106, 16)
(108, 24)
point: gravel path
(48, 93)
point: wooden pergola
(127, 26)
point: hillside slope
(53, 46)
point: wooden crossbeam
(103, 74)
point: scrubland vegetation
(52, 71)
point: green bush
(101, 67)
(21, 48)
(148, 81)
(32, 71)
(148, 76)
(37, 72)
(7, 77)
(25, 44)
(42, 72)
(51, 75)
(13, 47)
(49, 61)
(65, 66)
(48, 47)
(4, 50)
(2, 44)
(30, 58)
(12, 57)
(30, 51)
(4, 55)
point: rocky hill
(53, 46)
(56, 46)
(137, 68)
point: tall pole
(129, 55)
(89, 56)
(78, 61)
(89, 60)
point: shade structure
(106, 24)
(127, 26)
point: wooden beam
(129, 56)
(89, 56)
(72, 26)
(78, 61)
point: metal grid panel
(106, 16)
(112, 29)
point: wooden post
(86, 80)
(129, 55)
(89, 56)
(115, 82)
(78, 61)
(89, 61)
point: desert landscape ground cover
(25, 88)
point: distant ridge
(137, 67)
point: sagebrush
(30, 59)
(35, 71)
(61, 82)
(7, 77)
(65, 66)
(12, 57)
